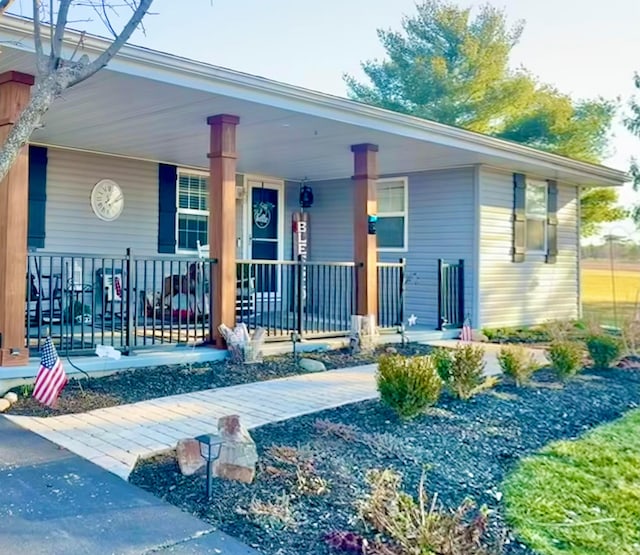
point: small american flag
(466, 334)
(51, 377)
(117, 284)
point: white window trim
(405, 213)
(187, 211)
(538, 217)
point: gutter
(168, 68)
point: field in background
(598, 291)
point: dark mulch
(141, 384)
(469, 447)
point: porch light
(210, 445)
(306, 196)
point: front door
(265, 231)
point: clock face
(107, 200)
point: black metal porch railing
(391, 288)
(450, 294)
(132, 302)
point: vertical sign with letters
(300, 228)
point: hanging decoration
(262, 211)
(306, 196)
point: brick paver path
(115, 437)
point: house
(157, 154)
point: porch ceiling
(143, 115)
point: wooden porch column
(365, 204)
(222, 223)
(14, 211)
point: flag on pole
(51, 377)
(466, 333)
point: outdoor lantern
(210, 445)
(306, 196)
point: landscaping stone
(12, 397)
(478, 336)
(189, 459)
(4, 405)
(238, 453)
(311, 365)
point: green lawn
(581, 497)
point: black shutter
(37, 196)
(552, 222)
(519, 246)
(167, 182)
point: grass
(598, 294)
(581, 497)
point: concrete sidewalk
(114, 438)
(56, 503)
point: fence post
(129, 320)
(300, 267)
(402, 286)
(440, 267)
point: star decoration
(412, 320)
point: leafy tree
(453, 68)
(633, 124)
(56, 72)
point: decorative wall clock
(107, 200)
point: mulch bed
(468, 448)
(141, 384)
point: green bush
(408, 385)
(566, 358)
(604, 350)
(466, 374)
(443, 361)
(517, 363)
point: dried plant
(422, 526)
(299, 468)
(343, 431)
(273, 514)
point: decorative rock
(12, 397)
(478, 337)
(391, 351)
(4, 405)
(312, 365)
(238, 453)
(189, 459)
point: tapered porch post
(14, 212)
(365, 158)
(222, 223)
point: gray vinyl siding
(441, 225)
(72, 227)
(531, 292)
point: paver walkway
(115, 437)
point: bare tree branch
(58, 36)
(104, 58)
(37, 38)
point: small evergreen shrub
(604, 350)
(408, 385)
(466, 372)
(566, 358)
(443, 361)
(517, 363)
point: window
(392, 214)
(193, 210)
(536, 215)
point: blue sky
(585, 48)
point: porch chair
(245, 287)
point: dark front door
(265, 234)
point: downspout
(476, 320)
(579, 250)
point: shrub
(408, 384)
(420, 526)
(443, 361)
(604, 350)
(466, 373)
(566, 358)
(517, 363)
